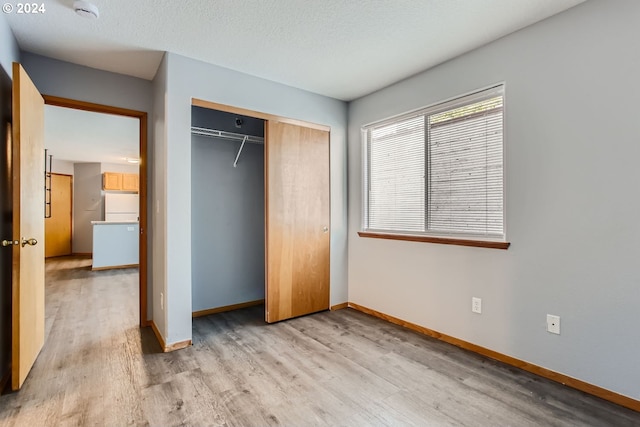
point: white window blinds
(439, 170)
(396, 192)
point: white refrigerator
(121, 207)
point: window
(438, 171)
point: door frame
(255, 114)
(143, 168)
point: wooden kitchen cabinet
(111, 181)
(130, 182)
(115, 181)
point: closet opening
(227, 211)
(260, 213)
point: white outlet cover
(476, 305)
(553, 324)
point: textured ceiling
(339, 48)
(83, 136)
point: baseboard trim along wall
(209, 311)
(526, 366)
(115, 267)
(339, 306)
(171, 347)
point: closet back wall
(227, 223)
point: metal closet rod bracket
(235, 162)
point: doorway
(142, 166)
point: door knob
(30, 242)
(9, 242)
(325, 229)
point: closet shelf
(213, 133)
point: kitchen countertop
(113, 222)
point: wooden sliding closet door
(297, 220)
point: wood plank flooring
(339, 368)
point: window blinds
(397, 185)
(438, 170)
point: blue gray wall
(9, 51)
(60, 78)
(227, 223)
(572, 180)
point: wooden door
(28, 226)
(297, 220)
(57, 228)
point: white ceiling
(339, 48)
(83, 136)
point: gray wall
(8, 54)
(9, 51)
(572, 209)
(62, 167)
(59, 78)
(227, 223)
(88, 205)
(188, 78)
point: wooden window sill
(441, 240)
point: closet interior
(227, 210)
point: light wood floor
(333, 368)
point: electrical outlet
(553, 324)
(476, 305)
(161, 301)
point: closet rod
(226, 135)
